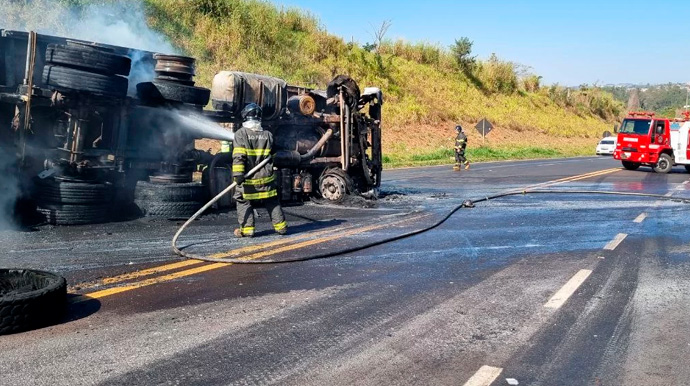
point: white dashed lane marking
(484, 376)
(615, 242)
(558, 299)
(641, 218)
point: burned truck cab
(326, 142)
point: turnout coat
(252, 145)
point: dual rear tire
(87, 69)
(173, 201)
(73, 202)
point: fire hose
(464, 204)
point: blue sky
(567, 42)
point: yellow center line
(147, 282)
(324, 239)
(214, 266)
(256, 247)
(573, 178)
(187, 263)
(141, 273)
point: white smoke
(117, 23)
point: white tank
(231, 91)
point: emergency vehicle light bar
(685, 118)
(641, 114)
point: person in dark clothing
(252, 145)
(460, 146)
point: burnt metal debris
(93, 134)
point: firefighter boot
(457, 168)
(239, 234)
(467, 165)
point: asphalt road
(548, 289)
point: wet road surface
(557, 289)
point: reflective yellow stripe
(260, 195)
(247, 230)
(280, 226)
(260, 181)
(239, 150)
(238, 168)
(256, 152)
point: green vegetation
(666, 100)
(479, 154)
(427, 88)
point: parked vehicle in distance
(606, 146)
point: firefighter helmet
(458, 128)
(252, 112)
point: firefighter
(460, 146)
(251, 146)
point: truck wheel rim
(663, 164)
(333, 188)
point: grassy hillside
(428, 89)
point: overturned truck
(96, 132)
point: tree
(462, 51)
(379, 34)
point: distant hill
(664, 99)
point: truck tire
(335, 185)
(70, 79)
(161, 91)
(68, 214)
(631, 165)
(182, 192)
(687, 168)
(174, 210)
(664, 164)
(30, 299)
(88, 59)
(63, 192)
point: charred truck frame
(93, 130)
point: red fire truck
(661, 143)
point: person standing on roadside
(252, 145)
(460, 146)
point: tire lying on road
(175, 200)
(67, 79)
(88, 58)
(30, 299)
(161, 91)
(65, 192)
(172, 210)
(180, 192)
(67, 214)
